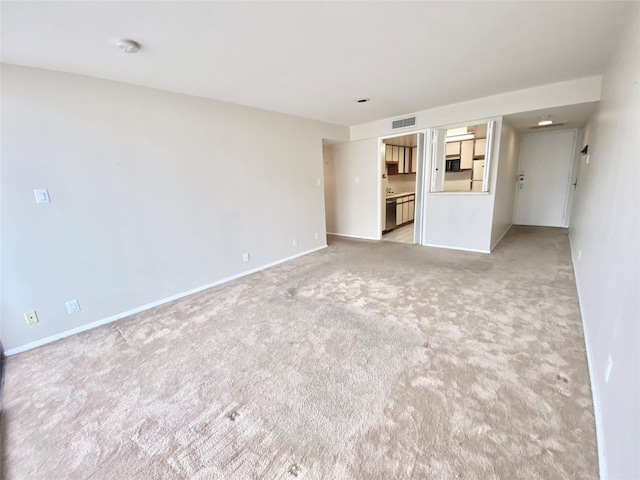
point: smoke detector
(127, 46)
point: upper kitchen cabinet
(479, 148)
(400, 154)
(453, 149)
(414, 159)
(466, 154)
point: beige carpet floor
(366, 360)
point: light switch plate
(42, 195)
(72, 306)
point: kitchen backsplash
(400, 183)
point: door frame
(568, 198)
(417, 235)
(573, 180)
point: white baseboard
(501, 237)
(352, 236)
(118, 316)
(456, 248)
(597, 412)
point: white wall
(459, 220)
(152, 194)
(506, 181)
(605, 239)
(353, 188)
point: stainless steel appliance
(391, 214)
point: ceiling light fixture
(458, 138)
(363, 100)
(127, 46)
(545, 121)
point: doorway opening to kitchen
(402, 165)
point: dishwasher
(391, 214)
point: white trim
(118, 316)
(419, 197)
(501, 237)
(381, 168)
(352, 236)
(475, 250)
(381, 202)
(597, 412)
(566, 212)
(488, 154)
(573, 177)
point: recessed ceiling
(570, 116)
(314, 59)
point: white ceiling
(314, 59)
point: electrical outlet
(316, 236)
(245, 257)
(318, 181)
(295, 242)
(607, 371)
(31, 318)
(72, 306)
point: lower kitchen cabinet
(405, 207)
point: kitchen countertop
(396, 195)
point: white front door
(544, 178)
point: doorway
(544, 178)
(401, 163)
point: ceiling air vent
(538, 127)
(403, 122)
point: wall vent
(403, 122)
(538, 127)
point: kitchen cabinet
(479, 148)
(466, 155)
(388, 153)
(405, 206)
(474, 148)
(477, 175)
(399, 160)
(414, 159)
(452, 149)
(478, 169)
